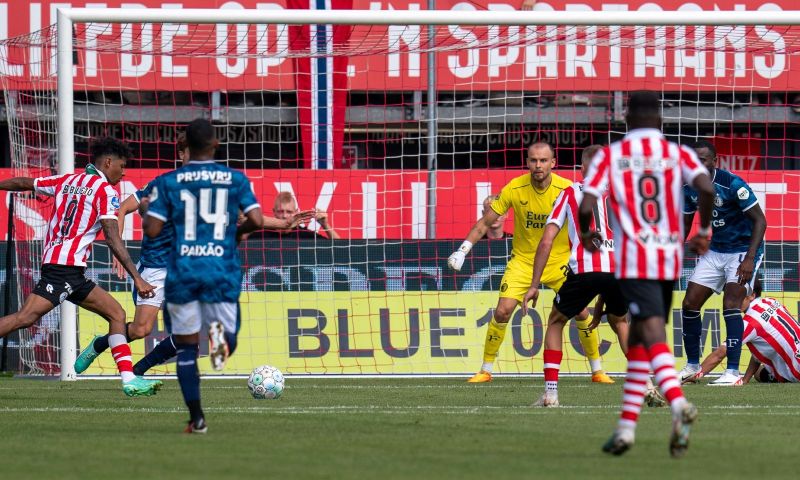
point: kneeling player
(736, 250)
(589, 274)
(773, 337)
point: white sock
(677, 406)
(596, 364)
(487, 367)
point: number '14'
(218, 217)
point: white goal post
(66, 18)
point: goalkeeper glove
(456, 260)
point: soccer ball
(265, 382)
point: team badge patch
(718, 201)
(743, 193)
(115, 202)
(504, 287)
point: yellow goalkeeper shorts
(517, 278)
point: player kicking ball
(589, 274)
(153, 268)
(84, 203)
(532, 196)
(737, 247)
(644, 174)
(773, 337)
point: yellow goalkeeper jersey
(531, 209)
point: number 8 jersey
(202, 200)
(644, 174)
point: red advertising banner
(392, 204)
(148, 57)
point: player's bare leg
(696, 296)
(102, 303)
(495, 333)
(144, 319)
(34, 308)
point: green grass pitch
(386, 428)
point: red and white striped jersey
(566, 210)
(644, 174)
(81, 201)
(773, 337)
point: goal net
(345, 119)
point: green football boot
(86, 357)
(141, 387)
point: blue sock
(101, 343)
(158, 355)
(231, 339)
(692, 328)
(189, 378)
(734, 325)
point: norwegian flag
(321, 82)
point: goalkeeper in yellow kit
(532, 196)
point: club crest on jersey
(115, 202)
(504, 287)
(718, 201)
(743, 193)
(62, 297)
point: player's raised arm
(18, 184)
(290, 223)
(456, 260)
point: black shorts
(579, 289)
(648, 298)
(63, 282)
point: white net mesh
(290, 102)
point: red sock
(635, 386)
(552, 363)
(122, 355)
(663, 364)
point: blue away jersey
(202, 200)
(155, 251)
(731, 229)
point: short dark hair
(589, 153)
(200, 135)
(104, 146)
(705, 144)
(644, 108)
(757, 287)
